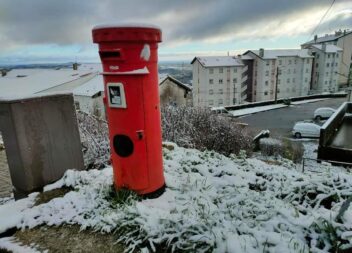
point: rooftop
(218, 61)
(182, 85)
(275, 53)
(328, 48)
(328, 37)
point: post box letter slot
(123, 145)
(110, 55)
(116, 95)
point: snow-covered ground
(212, 202)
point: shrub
(287, 101)
(95, 140)
(199, 128)
(285, 148)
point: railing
(244, 79)
(245, 69)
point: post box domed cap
(126, 32)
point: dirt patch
(45, 197)
(69, 238)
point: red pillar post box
(129, 57)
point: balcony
(245, 78)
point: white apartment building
(343, 40)
(327, 61)
(285, 73)
(218, 81)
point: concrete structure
(284, 72)
(173, 92)
(343, 40)
(219, 81)
(41, 140)
(326, 64)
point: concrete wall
(41, 140)
(91, 105)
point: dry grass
(68, 238)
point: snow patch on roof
(90, 88)
(219, 61)
(275, 53)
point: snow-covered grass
(10, 244)
(212, 203)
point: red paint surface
(142, 171)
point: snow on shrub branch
(212, 203)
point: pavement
(5, 180)
(281, 121)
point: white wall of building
(217, 85)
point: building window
(235, 70)
(293, 80)
(306, 79)
(221, 101)
(234, 100)
(328, 65)
(265, 93)
(220, 81)
(308, 61)
(211, 71)
(289, 61)
(337, 55)
(211, 81)
(327, 73)
(316, 65)
(267, 73)
(294, 71)
(289, 71)
(326, 82)
(267, 63)
(288, 80)
(278, 81)
(328, 55)
(335, 63)
(279, 71)
(317, 56)
(211, 102)
(234, 80)
(293, 89)
(221, 70)
(266, 83)
(295, 61)
(211, 92)
(307, 70)
(278, 90)
(220, 91)
(280, 62)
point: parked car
(306, 129)
(323, 113)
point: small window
(294, 71)
(295, 61)
(266, 83)
(279, 71)
(234, 80)
(211, 81)
(280, 62)
(211, 92)
(288, 80)
(267, 63)
(328, 65)
(234, 100)
(307, 70)
(289, 71)
(327, 73)
(235, 70)
(308, 61)
(317, 65)
(220, 81)
(211, 102)
(267, 73)
(328, 55)
(278, 90)
(211, 71)
(265, 93)
(293, 80)
(335, 63)
(221, 102)
(306, 79)
(289, 61)
(278, 81)
(317, 56)
(220, 91)
(221, 70)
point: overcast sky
(60, 30)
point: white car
(306, 129)
(323, 113)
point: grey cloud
(70, 21)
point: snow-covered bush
(199, 128)
(284, 148)
(95, 140)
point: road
(281, 121)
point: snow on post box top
(126, 32)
